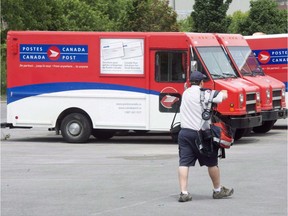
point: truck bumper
(245, 122)
(274, 115)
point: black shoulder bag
(219, 134)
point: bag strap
(213, 94)
(177, 109)
(207, 108)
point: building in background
(282, 4)
(185, 7)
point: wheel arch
(68, 111)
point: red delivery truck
(98, 83)
(271, 51)
(273, 104)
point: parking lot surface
(41, 175)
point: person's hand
(225, 94)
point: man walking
(191, 122)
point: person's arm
(222, 95)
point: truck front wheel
(240, 132)
(76, 128)
(265, 127)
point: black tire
(102, 134)
(239, 133)
(76, 128)
(265, 127)
(247, 131)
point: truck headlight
(241, 100)
(268, 95)
(258, 98)
(283, 92)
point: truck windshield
(246, 61)
(216, 62)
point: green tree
(210, 16)
(238, 18)
(3, 69)
(77, 15)
(264, 16)
(25, 15)
(28, 15)
(115, 10)
(54, 15)
(150, 15)
(186, 24)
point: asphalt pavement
(137, 176)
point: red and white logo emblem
(168, 100)
(53, 53)
(264, 57)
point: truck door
(168, 75)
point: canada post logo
(275, 56)
(53, 53)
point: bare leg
(183, 177)
(214, 174)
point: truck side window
(170, 66)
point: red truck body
(96, 83)
(273, 103)
(271, 52)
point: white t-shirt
(191, 109)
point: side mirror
(193, 66)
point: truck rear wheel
(76, 128)
(265, 127)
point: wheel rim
(74, 129)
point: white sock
(217, 189)
(184, 192)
